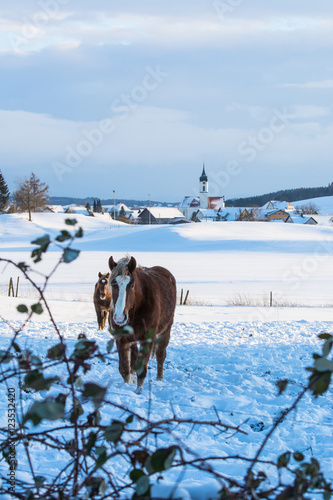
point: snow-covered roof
(278, 205)
(165, 212)
(118, 207)
(298, 219)
(190, 201)
(206, 213)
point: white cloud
(316, 85)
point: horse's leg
(134, 356)
(104, 315)
(143, 372)
(162, 343)
(124, 350)
(99, 318)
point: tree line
(283, 195)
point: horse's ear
(132, 265)
(99, 275)
(107, 276)
(112, 263)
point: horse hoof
(139, 390)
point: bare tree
(31, 196)
(309, 208)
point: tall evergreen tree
(4, 194)
(31, 196)
(94, 206)
(99, 206)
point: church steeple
(203, 181)
(203, 177)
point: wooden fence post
(186, 297)
(17, 286)
(271, 300)
(181, 297)
(11, 288)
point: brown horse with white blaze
(102, 299)
(144, 299)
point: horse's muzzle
(120, 320)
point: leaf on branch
(23, 266)
(22, 308)
(76, 412)
(114, 431)
(42, 242)
(84, 349)
(37, 308)
(35, 380)
(5, 357)
(70, 255)
(47, 409)
(96, 485)
(79, 233)
(35, 360)
(17, 347)
(283, 460)
(323, 381)
(142, 486)
(92, 438)
(299, 457)
(161, 460)
(102, 456)
(136, 474)
(63, 236)
(282, 385)
(324, 365)
(57, 352)
(94, 392)
(70, 222)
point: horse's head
(102, 285)
(123, 289)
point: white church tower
(203, 189)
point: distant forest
(63, 200)
(284, 195)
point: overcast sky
(134, 96)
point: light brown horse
(143, 298)
(102, 299)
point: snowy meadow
(227, 352)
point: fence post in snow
(186, 297)
(181, 297)
(17, 286)
(271, 300)
(11, 288)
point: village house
(301, 219)
(160, 215)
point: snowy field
(222, 356)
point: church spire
(203, 177)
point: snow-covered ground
(221, 356)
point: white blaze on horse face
(119, 315)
